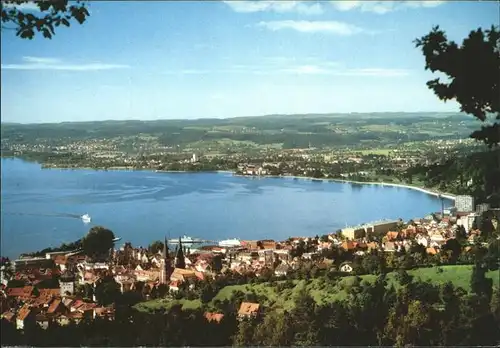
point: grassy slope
(324, 293)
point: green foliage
(107, 291)
(63, 247)
(98, 242)
(453, 175)
(472, 70)
(44, 19)
(376, 311)
(156, 246)
(479, 284)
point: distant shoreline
(121, 168)
(417, 188)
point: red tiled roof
(24, 292)
(248, 308)
(24, 312)
(348, 245)
(210, 316)
(86, 306)
(431, 251)
(392, 235)
(54, 305)
(47, 293)
(77, 304)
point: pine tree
(479, 284)
(180, 261)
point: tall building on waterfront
(464, 203)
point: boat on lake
(230, 243)
(186, 240)
(86, 218)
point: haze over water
(42, 207)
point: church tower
(67, 283)
(180, 261)
(166, 264)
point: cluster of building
(34, 299)
(162, 271)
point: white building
(467, 221)
(464, 203)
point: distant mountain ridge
(309, 115)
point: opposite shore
(411, 187)
(380, 183)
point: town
(215, 102)
(69, 286)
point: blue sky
(166, 60)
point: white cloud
(187, 72)
(346, 5)
(324, 70)
(379, 72)
(45, 63)
(382, 7)
(41, 60)
(424, 3)
(26, 6)
(301, 7)
(329, 27)
(306, 70)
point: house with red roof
(248, 310)
(213, 317)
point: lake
(42, 207)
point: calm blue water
(41, 207)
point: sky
(186, 60)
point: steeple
(180, 262)
(165, 249)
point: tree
(472, 69)
(479, 284)
(216, 263)
(304, 320)
(156, 246)
(41, 16)
(454, 247)
(180, 261)
(98, 242)
(245, 333)
(461, 234)
(492, 257)
(107, 291)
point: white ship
(230, 243)
(186, 240)
(86, 218)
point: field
(324, 293)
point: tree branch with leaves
(28, 18)
(473, 73)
